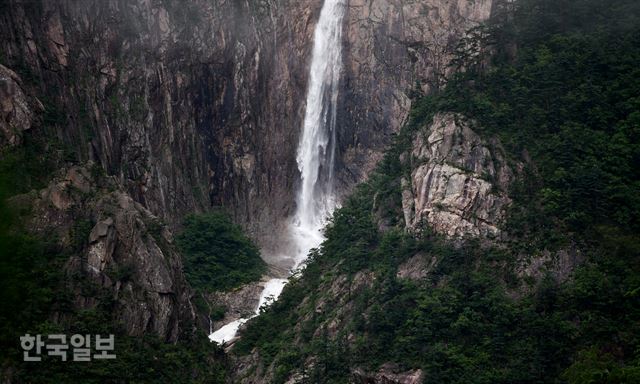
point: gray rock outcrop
(458, 182)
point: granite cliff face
(459, 181)
(118, 247)
(394, 49)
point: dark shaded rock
(127, 251)
(17, 110)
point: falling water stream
(315, 200)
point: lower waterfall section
(270, 292)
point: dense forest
(557, 83)
(218, 256)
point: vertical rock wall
(394, 49)
(189, 104)
(200, 103)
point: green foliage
(30, 270)
(28, 166)
(459, 325)
(30, 267)
(217, 313)
(217, 254)
(570, 99)
(138, 359)
(273, 330)
(80, 234)
(594, 367)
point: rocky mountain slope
(122, 248)
(440, 185)
(496, 241)
(493, 237)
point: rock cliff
(118, 247)
(459, 181)
(394, 50)
(189, 105)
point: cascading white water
(316, 151)
(271, 291)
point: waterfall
(316, 151)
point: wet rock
(190, 105)
(238, 303)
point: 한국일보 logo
(59, 345)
